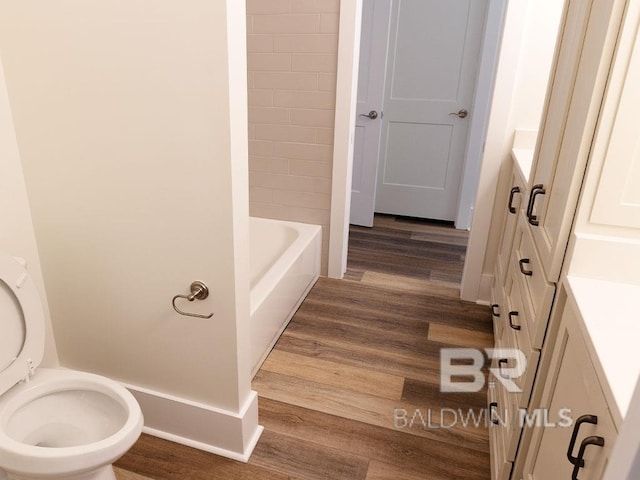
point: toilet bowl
(54, 423)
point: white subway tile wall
(292, 50)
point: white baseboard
(222, 432)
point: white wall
(16, 230)
(526, 54)
(131, 121)
(541, 22)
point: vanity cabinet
(575, 430)
(538, 218)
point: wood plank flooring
(351, 390)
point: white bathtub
(284, 264)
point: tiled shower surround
(292, 50)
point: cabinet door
(511, 213)
(572, 390)
(583, 57)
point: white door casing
(373, 55)
(423, 142)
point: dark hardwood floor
(351, 390)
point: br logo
(461, 368)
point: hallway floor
(351, 390)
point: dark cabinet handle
(522, 262)
(511, 324)
(514, 190)
(494, 310)
(502, 361)
(593, 419)
(535, 191)
(493, 405)
(530, 204)
(592, 440)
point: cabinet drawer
(503, 417)
(512, 209)
(519, 338)
(500, 465)
(515, 313)
(511, 400)
(525, 381)
(509, 405)
(496, 442)
(497, 304)
(537, 293)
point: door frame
(346, 96)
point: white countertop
(611, 323)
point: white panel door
(434, 47)
(373, 54)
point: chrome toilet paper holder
(199, 291)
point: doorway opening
(346, 114)
(418, 68)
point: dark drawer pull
(593, 419)
(511, 324)
(592, 440)
(493, 405)
(522, 262)
(494, 310)
(514, 190)
(503, 361)
(535, 191)
(530, 204)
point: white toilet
(54, 423)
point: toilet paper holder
(199, 291)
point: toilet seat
(54, 423)
(23, 334)
(16, 455)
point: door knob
(462, 113)
(372, 115)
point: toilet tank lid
(21, 323)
